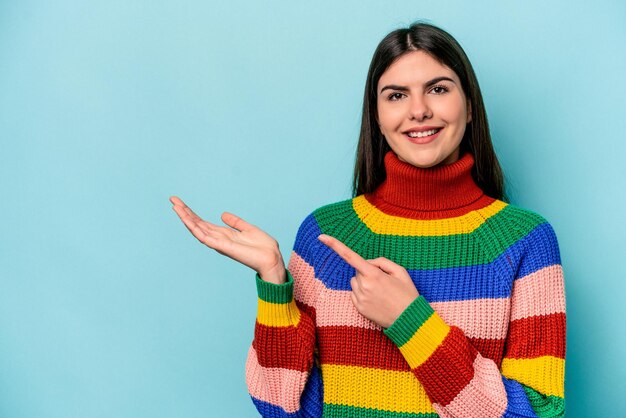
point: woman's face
(418, 94)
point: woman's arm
(281, 374)
(458, 380)
(530, 381)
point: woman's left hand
(381, 289)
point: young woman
(426, 294)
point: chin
(430, 157)
(423, 161)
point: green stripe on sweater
(342, 411)
(482, 246)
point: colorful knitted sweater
(485, 338)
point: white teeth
(422, 134)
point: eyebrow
(426, 84)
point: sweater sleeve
(282, 377)
(460, 382)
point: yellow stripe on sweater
(545, 374)
(278, 314)
(425, 341)
(364, 387)
(381, 223)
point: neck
(428, 193)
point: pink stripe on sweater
(539, 293)
(337, 309)
(478, 318)
(277, 386)
(306, 286)
(484, 395)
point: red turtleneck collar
(428, 193)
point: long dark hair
(369, 169)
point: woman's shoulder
(334, 210)
(528, 225)
(515, 214)
(325, 217)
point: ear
(469, 111)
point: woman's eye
(439, 89)
(395, 96)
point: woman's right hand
(243, 242)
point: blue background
(110, 308)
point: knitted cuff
(276, 305)
(418, 331)
(275, 293)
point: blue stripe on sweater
(542, 250)
(454, 283)
(518, 403)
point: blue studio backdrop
(110, 308)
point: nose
(419, 109)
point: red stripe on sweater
(492, 349)
(359, 347)
(364, 347)
(449, 369)
(287, 347)
(537, 336)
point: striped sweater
(485, 337)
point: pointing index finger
(349, 256)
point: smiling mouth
(423, 134)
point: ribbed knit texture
(485, 338)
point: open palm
(241, 241)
